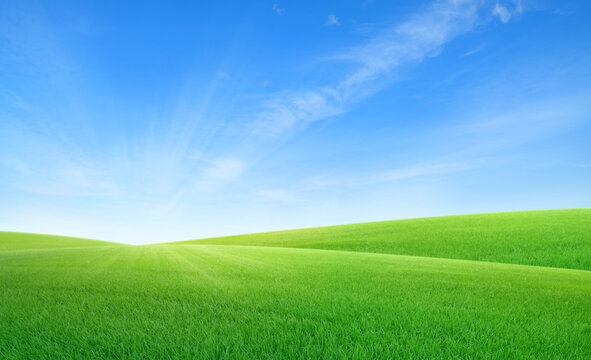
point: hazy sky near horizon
(153, 121)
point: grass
(557, 238)
(10, 241)
(229, 301)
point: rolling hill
(556, 238)
(215, 301)
(10, 241)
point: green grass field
(25, 241)
(557, 238)
(353, 293)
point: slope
(26, 241)
(556, 238)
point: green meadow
(557, 238)
(490, 286)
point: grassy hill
(26, 241)
(557, 238)
(225, 301)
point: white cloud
(332, 20)
(278, 10)
(266, 83)
(506, 11)
(292, 110)
(422, 36)
(473, 51)
(583, 165)
(226, 169)
(502, 13)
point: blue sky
(158, 121)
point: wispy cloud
(583, 165)
(473, 51)
(292, 110)
(422, 35)
(332, 20)
(506, 11)
(278, 10)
